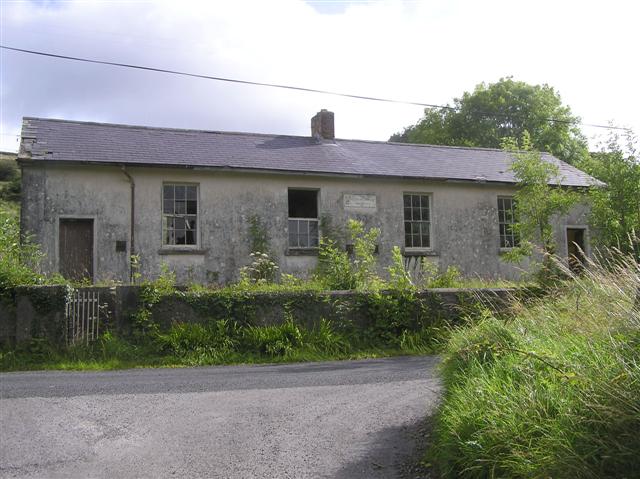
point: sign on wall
(359, 202)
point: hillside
(9, 182)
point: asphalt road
(351, 419)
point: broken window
(417, 220)
(303, 219)
(506, 220)
(179, 214)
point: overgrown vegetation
(230, 341)
(9, 179)
(540, 198)
(615, 208)
(552, 393)
(338, 271)
(19, 261)
(383, 318)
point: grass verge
(554, 392)
(218, 343)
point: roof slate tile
(136, 145)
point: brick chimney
(322, 126)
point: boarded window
(417, 220)
(303, 219)
(507, 219)
(179, 214)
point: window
(506, 219)
(179, 215)
(303, 218)
(417, 220)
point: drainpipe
(133, 203)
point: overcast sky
(425, 51)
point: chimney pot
(322, 126)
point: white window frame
(514, 235)
(308, 222)
(196, 245)
(430, 221)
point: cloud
(427, 51)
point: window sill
(503, 251)
(419, 252)
(301, 252)
(182, 251)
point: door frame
(587, 247)
(94, 248)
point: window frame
(429, 248)
(169, 246)
(316, 220)
(513, 234)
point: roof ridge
(160, 128)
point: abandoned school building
(94, 194)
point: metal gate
(83, 316)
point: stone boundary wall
(29, 312)
(39, 311)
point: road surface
(349, 419)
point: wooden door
(76, 249)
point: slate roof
(102, 143)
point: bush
(261, 270)
(19, 262)
(8, 170)
(11, 190)
(553, 393)
(432, 277)
(334, 267)
(340, 272)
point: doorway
(576, 249)
(76, 249)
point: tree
(615, 207)
(538, 199)
(494, 111)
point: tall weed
(19, 260)
(553, 393)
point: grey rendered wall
(464, 218)
(81, 192)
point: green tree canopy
(615, 208)
(494, 111)
(540, 197)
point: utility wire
(289, 87)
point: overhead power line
(288, 87)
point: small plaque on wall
(359, 202)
